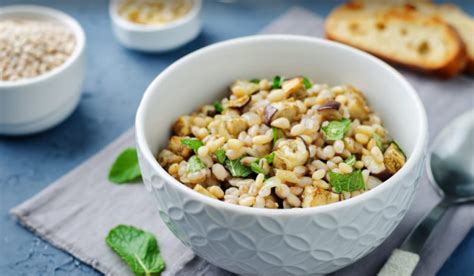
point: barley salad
(282, 143)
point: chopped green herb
(139, 249)
(218, 107)
(346, 182)
(255, 167)
(220, 155)
(194, 144)
(351, 160)
(125, 168)
(270, 157)
(237, 169)
(275, 135)
(378, 141)
(195, 164)
(276, 82)
(336, 130)
(256, 81)
(307, 83)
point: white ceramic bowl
(156, 38)
(35, 104)
(277, 241)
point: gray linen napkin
(76, 212)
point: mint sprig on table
(349, 182)
(139, 249)
(335, 130)
(125, 168)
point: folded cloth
(76, 212)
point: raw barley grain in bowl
(154, 12)
(29, 47)
(282, 143)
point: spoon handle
(403, 261)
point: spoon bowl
(451, 162)
(450, 167)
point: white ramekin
(304, 241)
(35, 104)
(156, 38)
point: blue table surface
(116, 79)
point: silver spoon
(450, 167)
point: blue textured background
(114, 85)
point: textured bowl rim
(57, 15)
(412, 162)
(130, 26)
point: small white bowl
(149, 38)
(35, 104)
(300, 241)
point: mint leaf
(195, 164)
(349, 182)
(220, 155)
(270, 157)
(237, 169)
(276, 82)
(275, 135)
(256, 81)
(218, 107)
(307, 84)
(378, 141)
(351, 160)
(336, 130)
(137, 248)
(125, 168)
(194, 144)
(255, 167)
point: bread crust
(450, 68)
(442, 11)
(470, 66)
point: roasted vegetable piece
(393, 158)
(357, 105)
(179, 148)
(288, 110)
(292, 86)
(236, 125)
(182, 126)
(167, 158)
(239, 102)
(290, 153)
(330, 110)
(240, 88)
(268, 113)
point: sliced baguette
(463, 23)
(399, 34)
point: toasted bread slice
(399, 34)
(463, 23)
